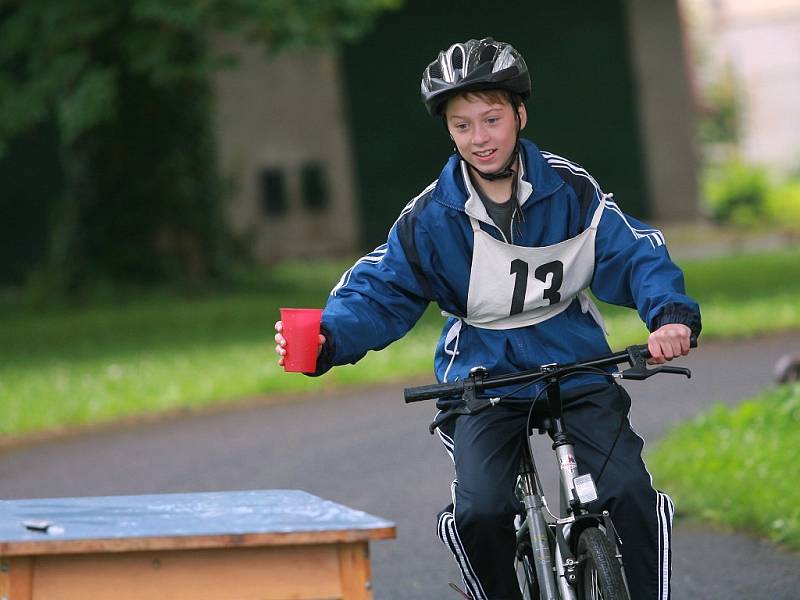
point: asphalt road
(368, 450)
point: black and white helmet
(471, 66)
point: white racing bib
(516, 286)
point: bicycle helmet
(474, 65)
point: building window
(315, 189)
(272, 187)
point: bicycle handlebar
(635, 356)
(428, 392)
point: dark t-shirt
(501, 214)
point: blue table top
(256, 517)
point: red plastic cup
(301, 330)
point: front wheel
(599, 569)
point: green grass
(64, 364)
(740, 296)
(78, 364)
(738, 467)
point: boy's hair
(489, 96)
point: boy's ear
(523, 115)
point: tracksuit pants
(478, 526)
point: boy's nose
(479, 136)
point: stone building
(757, 43)
(324, 149)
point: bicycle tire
(599, 569)
(526, 575)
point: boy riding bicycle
(506, 241)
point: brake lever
(674, 370)
(470, 402)
(640, 372)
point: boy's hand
(280, 342)
(667, 342)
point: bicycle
(576, 556)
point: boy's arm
(375, 302)
(633, 268)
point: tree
(127, 84)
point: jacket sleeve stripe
(556, 161)
(569, 172)
(373, 257)
(410, 206)
(654, 236)
(377, 255)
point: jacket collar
(537, 180)
(474, 207)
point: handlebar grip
(429, 392)
(646, 353)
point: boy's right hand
(280, 342)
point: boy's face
(484, 131)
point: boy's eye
(461, 126)
(492, 120)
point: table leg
(355, 571)
(16, 578)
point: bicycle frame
(553, 550)
(554, 561)
(536, 527)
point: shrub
(746, 195)
(736, 192)
(783, 206)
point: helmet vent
(458, 58)
(435, 71)
(488, 53)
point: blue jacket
(428, 255)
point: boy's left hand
(667, 342)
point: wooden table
(259, 545)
